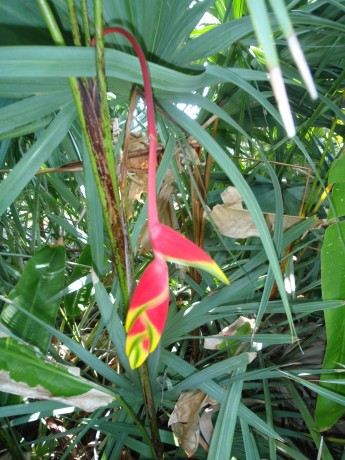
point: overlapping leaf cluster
(215, 67)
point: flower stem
(79, 92)
(151, 410)
(152, 222)
(151, 125)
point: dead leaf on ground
(185, 420)
(235, 222)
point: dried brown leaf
(185, 420)
(235, 222)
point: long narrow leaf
(236, 177)
(38, 153)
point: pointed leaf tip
(280, 95)
(176, 248)
(302, 65)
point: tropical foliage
(253, 369)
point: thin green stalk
(135, 419)
(316, 190)
(152, 204)
(51, 22)
(35, 238)
(74, 22)
(303, 129)
(309, 420)
(87, 35)
(144, 376)
(151, 411)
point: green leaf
(305, 412)
(19, 114)
(333, 263)
(337, 177)
(42, 279)
(218, 38)
(24, 373)
(333, 287)
(337, 171)
(249, 199)
(223, 435)
(338, 193)
(77, 301)
(37, 154)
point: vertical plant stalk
(144, 376)
(74, 22)
(197, 189)
(94, 125)
(121, 248)
(87, 36)
(268, 408)
(83, 102)
(202, 181)
(151, 410)
(149, 305)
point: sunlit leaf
(333, 286)
(41, 280)
(24, 373)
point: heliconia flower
(147, 312)
(148, 308)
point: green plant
(58, 155)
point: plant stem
(152, 220)
(83, 6)
(93, 123)
(151, 410)
(51, 22)
(74, 22)
(121, 248)
(137, 422)
(89, 122)
(151, 127)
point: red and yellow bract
(148, 308)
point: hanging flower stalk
(149, 304)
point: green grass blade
(20, 113)
(94, 216)
(326, 454)
(37, 154)
(222, 438)
(236, 177)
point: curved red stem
(151, 125)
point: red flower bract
(149, 305)
(176, 248)
(147, 312)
